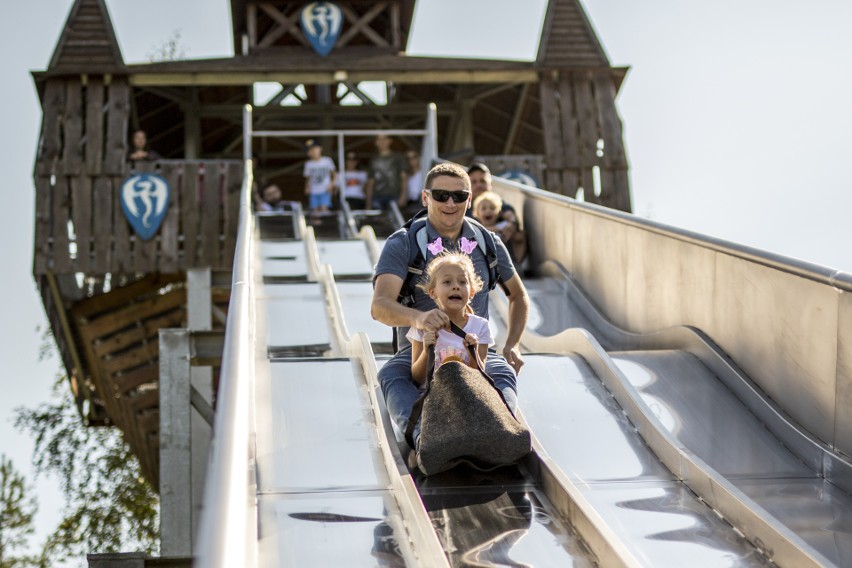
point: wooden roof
(301, 65)
(87, 41)
(568, 39)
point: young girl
(487, 209)
(451, 281)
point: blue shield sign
(321, 23)
(519, 176)
(144, 200)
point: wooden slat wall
(79, 170)
(578, 110)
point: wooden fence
(81, 227)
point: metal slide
(332, 488)
(704, 419)
(650, 450)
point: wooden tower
(107, 293)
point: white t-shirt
(415, 186)
(353, 184)
(449, 344)
(318, 173)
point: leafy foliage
(170, 49)
(109, 506)
(16, 517)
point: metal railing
(428, 151)
(228, 528)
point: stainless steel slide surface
(327, 495)
(671, 379)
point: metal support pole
(247, 132)
(199, 318)
(175, 444)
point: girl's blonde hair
(446, 258)
(489, 196)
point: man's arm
(387, 310)
(519, 308)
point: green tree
(16, 517)
(109, 506)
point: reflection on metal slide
(703, 418)
(649, 449)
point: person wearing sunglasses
(447, 197)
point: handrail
(225, 528)
(837, 278)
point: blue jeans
(401, 392)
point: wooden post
(192, 127)
(175, 444)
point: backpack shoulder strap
(485, 239)
(417, 241)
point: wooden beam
(286, 24)
(282, 94)
(360, 24)
(118, 319)
(313, 77)
(516, 119)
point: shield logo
(321, 23)
(144, 200)
(519, 176)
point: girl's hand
(429, 338)
(471, 339)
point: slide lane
(707, 422)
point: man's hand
(433, 320)
(513, 357)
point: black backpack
(417, 241)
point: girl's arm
(482, 351)
(420, 356)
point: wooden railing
(80, 226)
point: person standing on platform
(320, 177)
(354, 180)
(415, 184)
(387, 179)
(140, 151)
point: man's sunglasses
(443, 195)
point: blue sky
(736, 113)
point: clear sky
(737, 123)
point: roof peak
(87, 41)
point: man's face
(447, 216)
(315, 152)
(480, 182)
(383, 143)
(272, 194)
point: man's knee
(504, 379)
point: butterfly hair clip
(466, 245)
